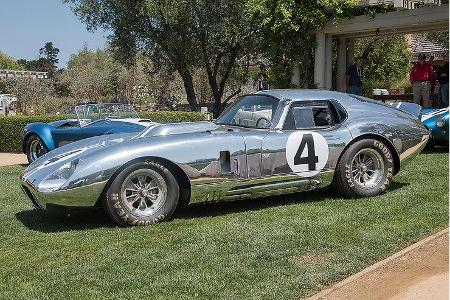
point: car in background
(90, 119)
(436, 120)
(268, 143)
(8, 105)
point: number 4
(311, 159)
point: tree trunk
(189, 88)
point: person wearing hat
(421, 77)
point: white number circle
(306, 153)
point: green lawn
(273, 248)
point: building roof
(420, 44)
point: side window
(308, 115)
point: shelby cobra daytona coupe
(91, 120)
(272, 142)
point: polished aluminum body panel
(221, 162)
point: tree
(50, 53)
(387, 61)
(30, 93)
(47, 61)
(88, 75)
(286, 32)
(190, 34)
(9, 63)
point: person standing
(443, 82)
(354, 77)
(421, 77)
(262, 82)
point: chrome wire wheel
(37, 149)
(144, 192)
(367, 168)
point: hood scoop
(178, 128)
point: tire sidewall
(388, 174)
(122, 215)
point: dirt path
(417, 272)
(7, 159)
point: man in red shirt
(421, 77)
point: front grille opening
(31, 197)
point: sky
(26, 25)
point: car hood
(65, 122)
(85, 146)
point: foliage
(91, 76)
(9, 63)
(284, 247)
(386, 62)
(172, 116)
(31, 94)
(47, 61)
(11, 130)
(287, 34)
(188, 34)
(50, 53)
(11, 127)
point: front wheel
(142, 194)
(365, 169)
(34, 148)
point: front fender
(43, 130)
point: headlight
(440, 122)
(59, 177)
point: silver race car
(272, 142)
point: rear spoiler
(413, 109)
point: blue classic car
(91, 120)
(436, 120)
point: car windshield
(88, 113)
(254, 111)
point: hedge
(11, 127)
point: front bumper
(85, 196)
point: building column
(328, 61)
(341, 64)
(295, 77)
(350, 51)
(319, 61)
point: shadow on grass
(435, 149)
(87, 219)
(202, 210)
(64, 220)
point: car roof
(303, 94)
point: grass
(282, 247)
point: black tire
(34, 147)
(349, 178)
(126, 213)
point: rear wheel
(34, 148)
(142, 194)
(364, 170)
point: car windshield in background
(88, 113)
(250, 111)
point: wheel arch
(43, 131)
(181, 177)
(381, 138)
